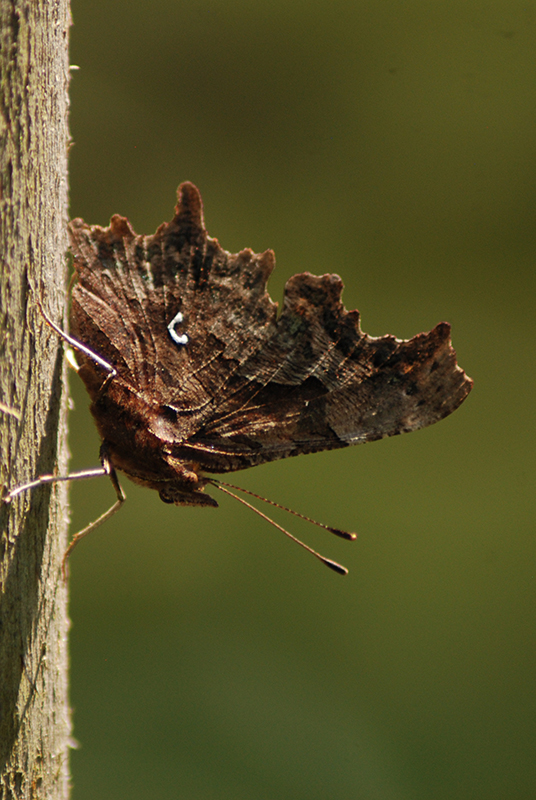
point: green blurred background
(394, 143)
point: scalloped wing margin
(320, 383)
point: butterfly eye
(164, 498)
(169, 413)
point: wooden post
(34, 712)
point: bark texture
(34, 712)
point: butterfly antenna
(337, 531)
(327, 561)
(77, 345)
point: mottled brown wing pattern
(334, 386)
(236, 385)
(131, 287)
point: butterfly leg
(44, 479)
(107, 469)
(97, 472)
(12, 412)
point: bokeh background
(394, 143)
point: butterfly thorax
(139, 441)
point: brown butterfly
(191, 370)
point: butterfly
(191, 370)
